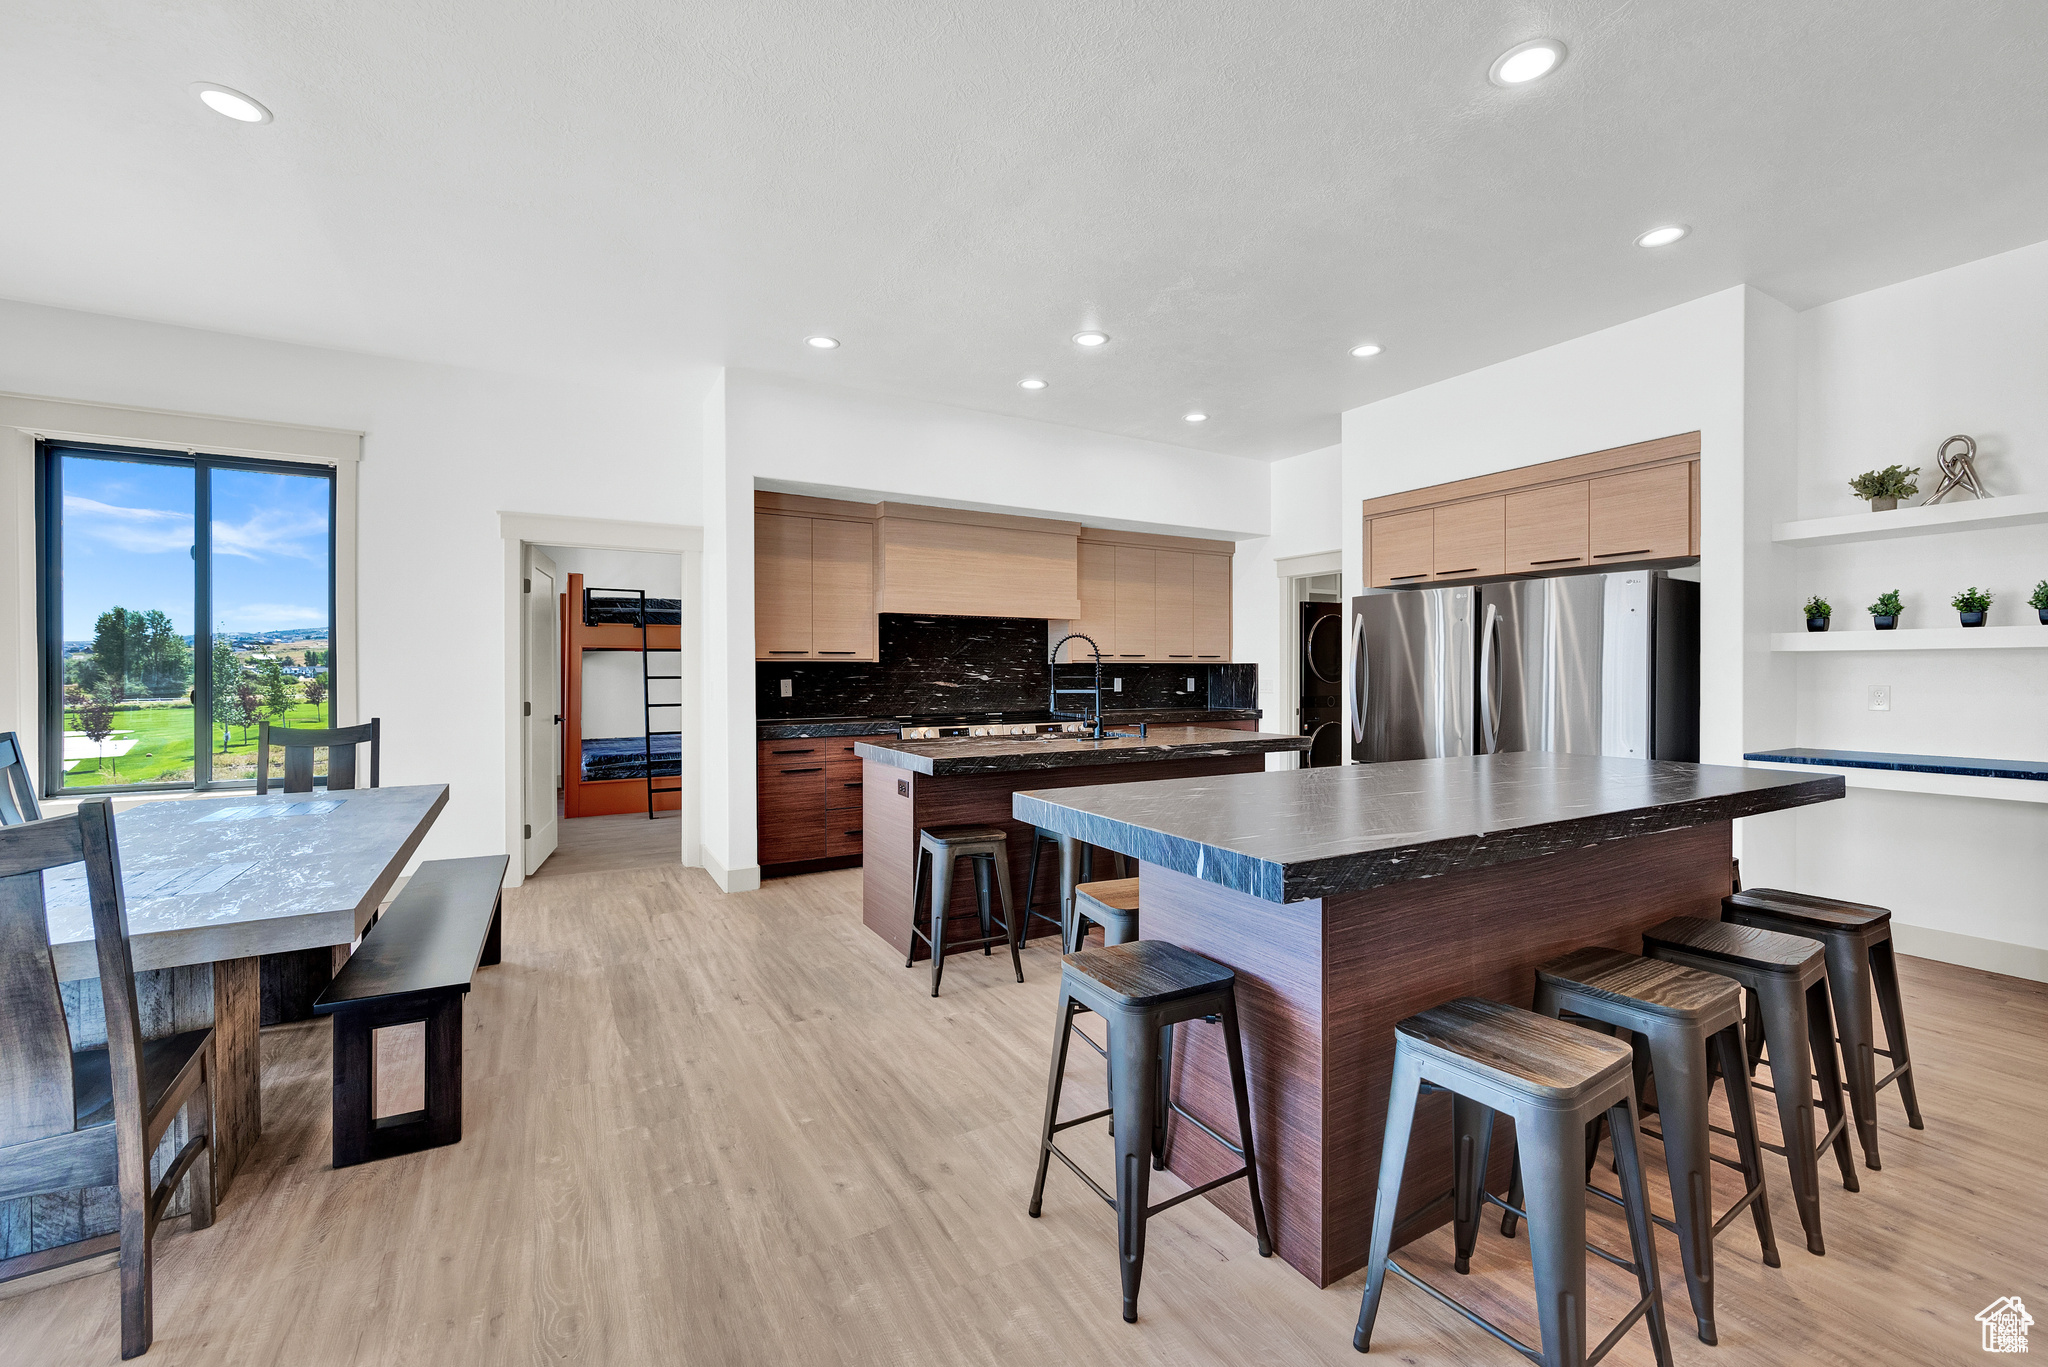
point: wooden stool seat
(1632, 981)
(1115, 894)
(950, 836)
(1856, 939)
(1111, 904)
(1763, 950)
(1552, 1080)
(1148, 972)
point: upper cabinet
(1629, 505)
(814, 579)
(967, 564)
(1147, 598)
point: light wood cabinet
(1212, 608)
(1403, 549)
(1173, 605)
(1136, 603)
(1098, 602)
(782, 586)
(814, 581)
(946, 561)
(1641, 515)
(1546, 529)
(1468, 540)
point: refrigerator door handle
(1360, 690)
(1489, 705)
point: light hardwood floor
(709, 1129)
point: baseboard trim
(746, 879)
(1971, 951)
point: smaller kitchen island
(1348, 898)
(913, 785)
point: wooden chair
(299, 744)
(91, 1117)
(17, 791)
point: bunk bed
(612, 775)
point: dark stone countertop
(1290, 835)
(804, 728)
(1009, 754)
(1913, 764)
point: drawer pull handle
(1560, 560)
(789, 652)
(803, 771)
(1608, 555)
(793, 752)
(1180, 657)
(849, 785)
(849, 832)
(839, 652)
(1397, 578)
(1469, 569)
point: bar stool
(1788, 976)
(937, 851)
(1552, 1080)
(1857, 940)
(1676, 1015)
(1143, 989)
(1076, 865)
(1113, 905)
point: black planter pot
(2044, 616)
(1888, 621)
(1816, 624)
(1973, 619)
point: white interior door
(543, 704)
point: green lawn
(162, 752)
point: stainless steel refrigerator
(1591, 664)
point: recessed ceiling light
(1369, 349)
(1197, 417)
(1090, 338)
(1527, 62)
(1664, 236)
(823, 343)
(232, 103)
(1031, 384)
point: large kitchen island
(1348, 898)
(913, 785)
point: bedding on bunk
(612, 610)
(623, 757)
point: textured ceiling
(1236, 192)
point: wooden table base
(1322, 983)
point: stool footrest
(1074, 1168)
(1625, 1264)
(1193, 1192)
(1102, 1114)
(1488, 1325)
(1712, 1157)
(1820, 1149)
(1195, 1121)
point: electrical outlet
(788, 688)
(1191, 685)
(1880, 697)
(1116, 685)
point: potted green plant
(1973, 604)
(1817, 613)
(1884, 613)
(2039, 601)
(1884, 488)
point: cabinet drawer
(1402, 549)
(1546, 529)
(792, 817)
(843, 791)
(1468, 539)
(1641, 515)
(843, 835)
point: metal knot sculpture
(1957, 472)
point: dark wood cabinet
(809, 795)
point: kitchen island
(1349, 898)
(912, 785)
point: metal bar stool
(1552, 1080)
(1789, 977)
(1143, 989)
(1857, 940)
(1677, 1016)
(1113, 905)
(1077, 866)
(937, 852)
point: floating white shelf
(2009, 510)
(1947, 785)
(2032, 635)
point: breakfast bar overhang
(1348, 898)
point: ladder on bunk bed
(648, 733)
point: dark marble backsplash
(938, 666)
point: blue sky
(128, 539)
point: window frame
(49, 587)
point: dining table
(212, 884)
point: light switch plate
(1880, 697)
(788, 688)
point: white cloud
(273, 532)
(143, 530)
(263, 616)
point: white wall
(1884, 377)
(1307, 519)
(445, 450)
(782, 434)
(612, 701)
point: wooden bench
(414, 964)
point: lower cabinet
(809, 800)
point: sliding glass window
(163, 650)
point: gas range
(988, 724)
